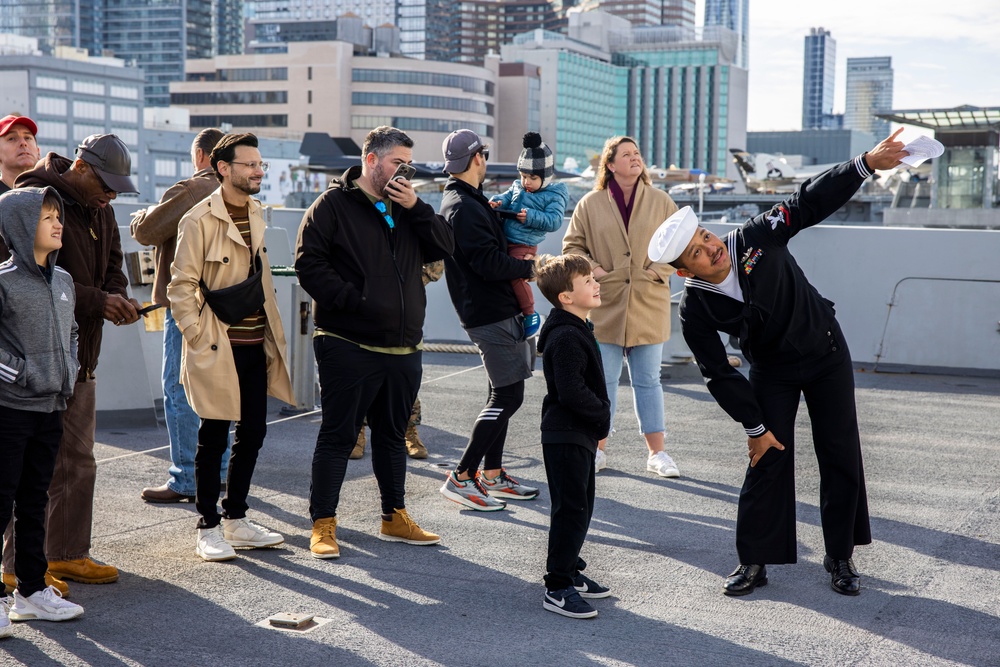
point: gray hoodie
(38, 333)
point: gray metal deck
(931, 579)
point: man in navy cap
(748, 285)
(18, 150)
(92, 254)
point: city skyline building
(55, 23)
(733, 15)
(869, 92)
(679, 12)
(818, 73)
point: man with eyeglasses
(92, 254)
(234, 350)
(360, 255)
(479, 277)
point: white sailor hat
(671, 238)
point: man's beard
(244, 185)
(379, 181)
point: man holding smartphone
(359, 255)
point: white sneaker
(44, 605)
(212, 546)
(662, 465)
(245, 533)
(5, 629)
(600, 460)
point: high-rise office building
(678, 12)
(869, 91)
(636, 12)
(819, 69)
(734, 15)
(229, 27)
(73, 23)
(466, 32)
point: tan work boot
(10, 583)
(323, 543)
(84, 570)
(414, 447)
(359, 446)
(401, 528)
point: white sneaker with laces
(212, 546)
(44, 605)
(600, 460)
(662, 465)
(245, 533)
(5, 628)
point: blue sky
(944, 54)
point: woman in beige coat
(228, 369)
(611, 227)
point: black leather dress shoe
(163, 494)
(745, 579)
(843, 577)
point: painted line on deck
(276, 421)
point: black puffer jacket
(364, 277)
(576, 407)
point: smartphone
(148, 309)
(507, 214)
(407, 171)
(286, 620)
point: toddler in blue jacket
(536, 206)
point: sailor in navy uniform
(748, 285)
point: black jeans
(569, 469)
(213, 437)
(356, 383)
(29, 442)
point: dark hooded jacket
(38, 335)
(576, 408)
(91, 253)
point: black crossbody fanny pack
(237, 302)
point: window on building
(51, 106)
(93, 110)
(163, 167)
(51, 130)
(50, 82)
(88, 87)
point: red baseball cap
(10, 121)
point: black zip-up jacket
(576, 408)
(364, 277)
(783, 318)
(480, 270)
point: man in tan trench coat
(228, 369)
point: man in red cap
(18, 150)
(92, 254)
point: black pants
(213, 437)
(569, 469)
(29, 442)
(356, 383)
(489, 433)
(765, 525)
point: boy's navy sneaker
(567, 602)
(588, 588)
(532, 323)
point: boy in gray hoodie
(38, 368)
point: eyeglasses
(380, 207)
(104, 186)
(264, 166)
(485, 152)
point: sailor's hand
(401, 191)
(758, 446)
(887, 154)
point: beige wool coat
(635, 306)
(210, 248)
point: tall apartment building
(869, 91)
(819, 69)
(733, 15)
(55, 23)
(229, 27)
(328, 87)
(679, 13)
(636, 12)
(466, 32)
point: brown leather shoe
(163, 494)
(84, 570)
(323, 542)
(359, 446)
(10, 583)
(414, 447)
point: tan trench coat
(210, 248)
(635, 307)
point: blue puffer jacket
(546, 211)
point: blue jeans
(644, 374)
(182, 422)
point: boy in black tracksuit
(576, 413)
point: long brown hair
(608, 155)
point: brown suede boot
(359, 446)
(414, 447)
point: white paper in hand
(920, 149)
